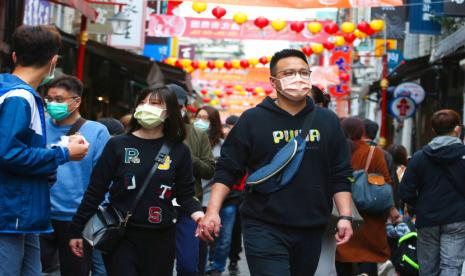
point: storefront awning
(80, 5)
(449, 45)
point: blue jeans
(441, 249)
(97, 267)
(187, 246)
(223, 243)
(20, 255)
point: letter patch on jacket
(155, 214)
(165, 166)
(131, 155)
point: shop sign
(403, 107)
(412, 90)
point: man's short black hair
(69, 83)
(35, 46)
(232, 120)
(371, 129)
(285, 54)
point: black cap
(181, 94)
(114, 126)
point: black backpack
(404, 256)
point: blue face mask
(202, 124)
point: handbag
(370, 192)
(107, 226)
(279, 172)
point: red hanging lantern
(206, 100)
(363, 26)
(204, 91)
(307, 50)
(349, 38)
(343, 76)
(229, 92)
(228, 65)
(211, 64)
(263, 60)
(244, 63)
(369, 31)
(297, 27)
(268, 91)
(331, 28)
(261, 22)
(195, 64)
(328, 45)
(218, 12)
(178, 64)
(249, 89)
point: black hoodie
(434, 183)
(325, 169)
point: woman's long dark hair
(354, 130)
(215, 133)
(173, 127)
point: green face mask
(149, 116)
(58, 111)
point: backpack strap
(370, 157)
(76, 126)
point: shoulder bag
(281, 169)
(370, 192)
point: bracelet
(346, 218)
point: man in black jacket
(283, 230)
(434, 184)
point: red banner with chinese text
(176, 26)
(341, 57)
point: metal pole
(83, 38)
(384, 86)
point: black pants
(59, 241)
(349, 269)
(280, 251)
(143, 252)
(236, 240)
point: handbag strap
(76, 126)
(308, 122)
(159, 159)
(370, 157)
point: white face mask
(294, 88)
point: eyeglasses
(304, 73)
(57, 99)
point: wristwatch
(351, 219)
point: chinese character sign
(341, 57)
(134, 36)
(36, 12)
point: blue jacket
(25, 163)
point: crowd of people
(202, 205)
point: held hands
(77, 147)
(344, 231)
(209, 227)
(77, 247)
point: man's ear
(13, 57)
(458, 130)
(55, 59)
(272, 82)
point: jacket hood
(270, 104)
(445, 149)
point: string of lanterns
(192, 65)
(363, 29)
